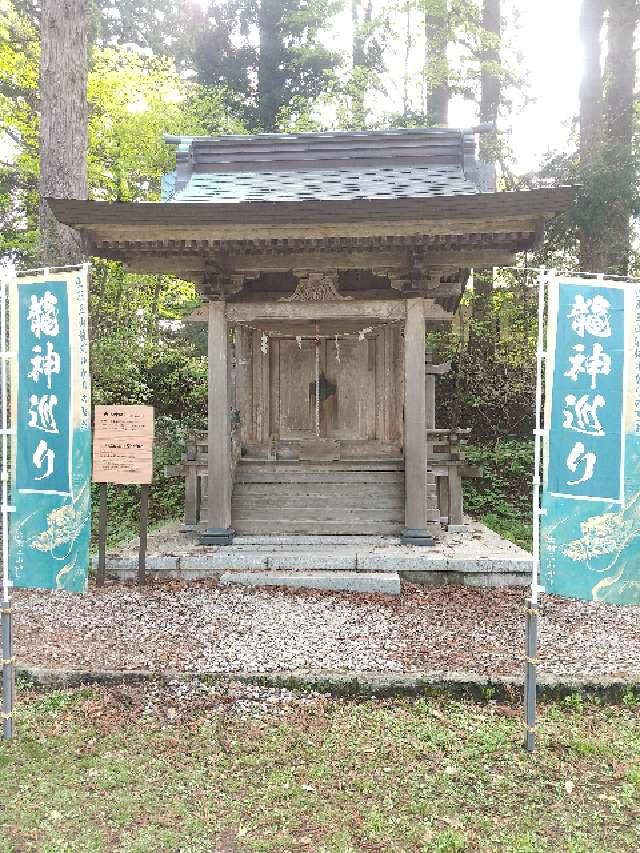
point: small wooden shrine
(322, 260)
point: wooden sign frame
(123, 455)
(123, 445)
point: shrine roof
(320, 184)
(385, 193)
(392, 164)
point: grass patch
(337, 776)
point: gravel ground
(203, 627)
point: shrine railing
(445, 455)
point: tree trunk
(490, 83)
(482, 333)
(63, 123)
(592, 241)
(437, 63)
(620, 79)
(270, 76)
(408, 42)
(360, 23)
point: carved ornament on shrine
(316, 287)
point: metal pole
(102, 535)
(7, 671)
(5, 606)
(144, 525)
(530, 697)
(532, 609)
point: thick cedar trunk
(490, 88)
(358, 29)
(482, 336)
(592, 241)
(620, 78)
(360, 23)
(437, 64)
(270, 75)
(408, 43)
(63, 122)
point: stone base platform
(478, 558)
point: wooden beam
(382, 309)
(356, 309)
(264, 262)
(113, 232)
(191, 267)
(380, 260)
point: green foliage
(134, 99)
(501, 498)
(491, 390)
(137, 768)
(491, 385)
(278, 78)
(142, 353)
(19, 55)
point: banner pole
(144, 527)
(102, 535)
(8, 672)
(532, 609)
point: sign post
(102, 535)
(123, 454)
(144, 527)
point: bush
(501, 498)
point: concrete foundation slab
(161, 565)
(380, 582)
(327, 561)
(399, 561)
(480, 559)
(221, 560)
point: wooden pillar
(415, 438)
(219, 484)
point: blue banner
(51, 527)
(590, 527)
(586, 424)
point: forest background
(247, 66)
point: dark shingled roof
(391, 164)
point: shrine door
(323, 390)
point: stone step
(241, 513)
(380, 582)
(324, 541)
(263, 527)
